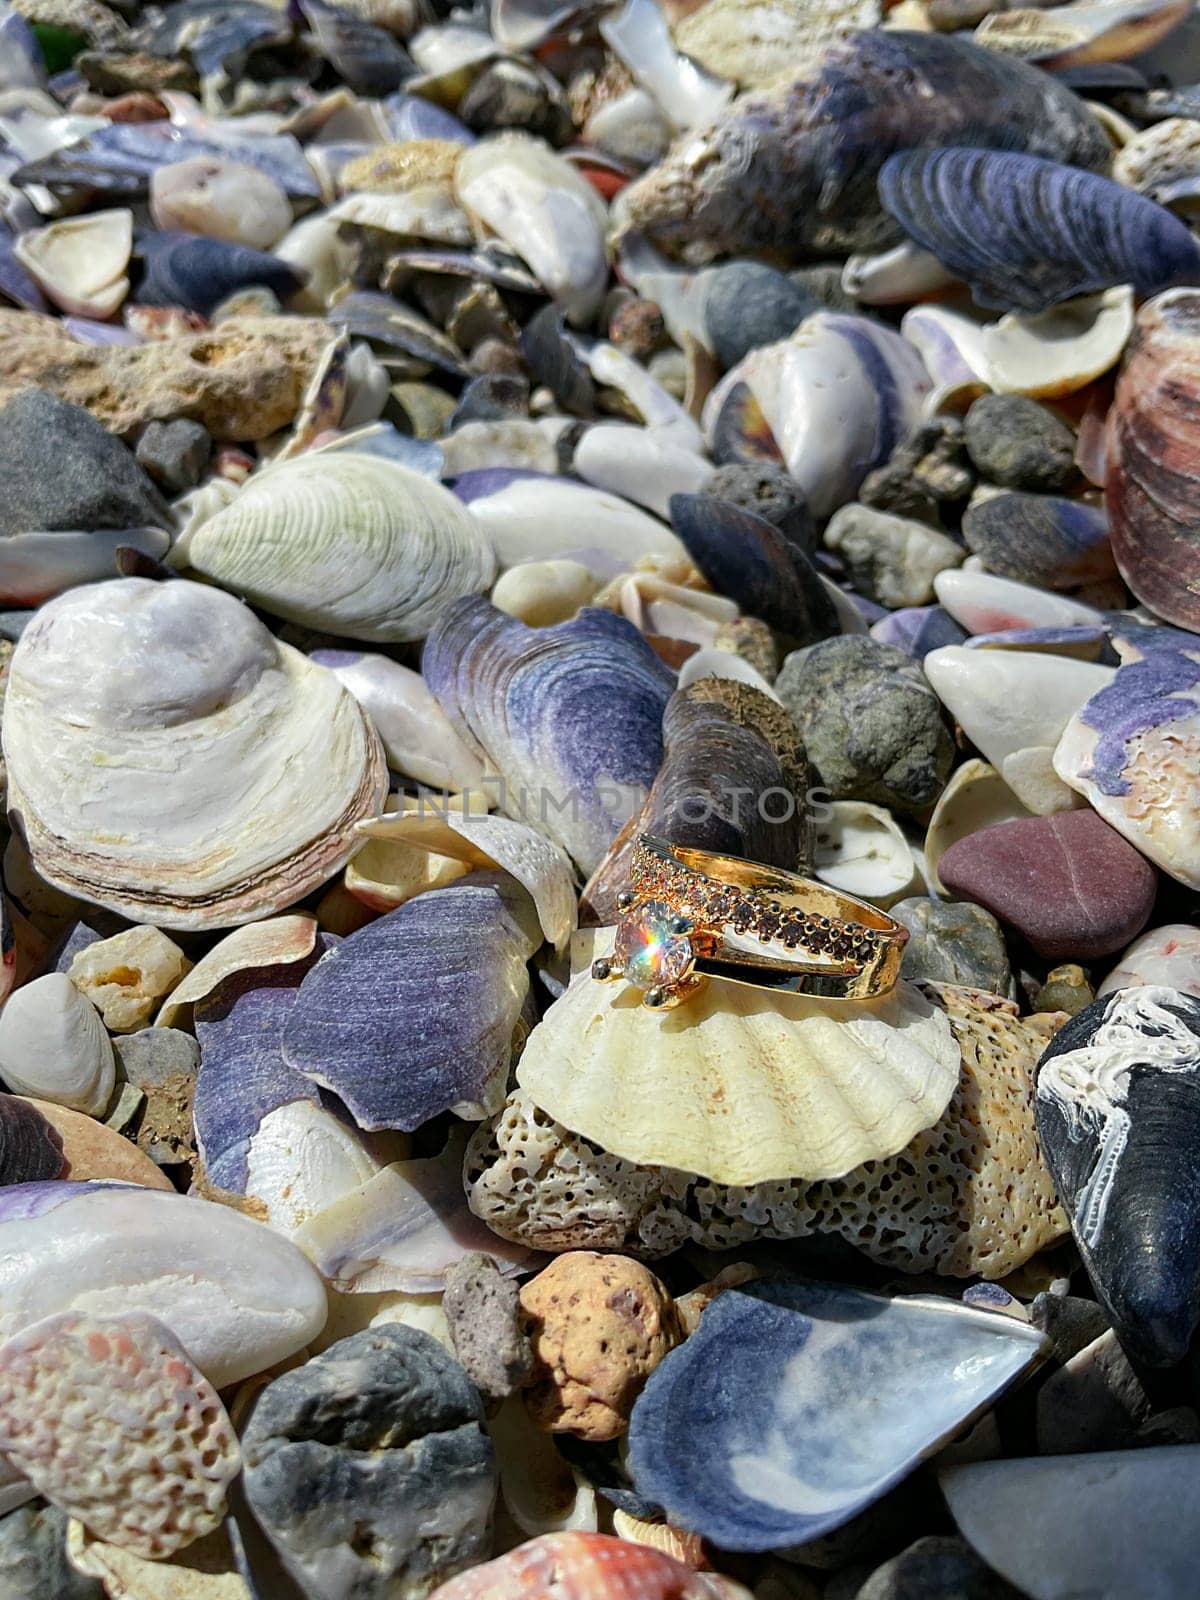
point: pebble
(870, 722)
(1096, 1401)
(748, 305)
(1169, 956)
(33, 1558)
(1019, 444)
(891, 559)
(1067, 883)
(771, 493)
(96, 482)
(369, 1470)
(128, 976)
(163, 1063)
(936, 1568)
(927, 469)
(175, 454)
(954, 943)
(482, 1312)
(1070, 1322)
(1066, 989)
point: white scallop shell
(741, 1085)
(54, 1045)
(521, 190)
(346, 542)
(81, 262)
(860, 850)
(975, 798)
(171, 760)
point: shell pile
(441, 445)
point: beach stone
(163, 1063)
(59, 469)
(1019, 444)
(870, 722)
(369, 1470)
(936, 1568)
(1069, 1321)
(95, 1151)
(891, 559)
(599, 1325)
(771, 493)
(1066, 989)
(638, 328)
(33, 1558)
(116, 73)
(483, 1314)
(750, 304)
(243, 381)
(954, 943)
(175, 454)
(928, 468)
(1096, 1401)
(128, 976)
(1068, 883)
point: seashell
(402, 1228)
(256, 811)
(792, 168)
(17, 285)
(495, 844)
(917, 630)
(199, 273)
(769, 1464)
(515, 442)
(204, 1571)
(754, 44)
(645, 465)
(570, 713)
(975, 798)
(385, 875)
(1117, 1104)
(222, 200)
(1014, 707)
(534, 517)
(428, 212)
(950, 344)
(1163, 163)
(1074, 35)
(36, 566)
(367, 59)
(111, 1421)
(320, 256)
(381, 319)
(1151, 491)
(24, 66)
(748, 558)
(542, 1493)
(277, 941)
(1104, 1524)
(81, 263)
(236, 1295)
(302, 1158)
(535, 1183)
(441, 1022)
(976, 209)
(1167, 957)
(757, 1083)
(894, 277)
(727, 666)
(860, 850)
(541, 593)
(395, 168)
(53, 1045)
(348, 543)
(983, 603)
(520, 190)
(30, 1149)
(1040, 539)
(581, 1565)
(670, 613)
(836, 397)
(639, 37)
(1129, 751)
(1046, 354)
(218, 39)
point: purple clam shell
(1164, 687)
(1025, 233)
(411, 117)
(30, 1148)
(20, 1202)
(918, 629)
(569, 717)
(414, 1013)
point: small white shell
(345, 542)
(302, 1158)
(1055, 352)
(221, 200)
(53, 1045)
(894, 277)
(535, 519)
(713, 663)
(638, 36)
(975, 798)
(385, 874)
(531, 445)
(542, 1493)
(740, 1085)
(81, 262)
(541, 593)
(645, 465)
(520, 189)
(426, 212)
(861, 851)
(984, 603)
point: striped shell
(587, 1566)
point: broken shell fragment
(275, 941)
(81, 263)
(222, 200)
(1055, 352)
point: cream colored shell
(738, 1084)
(349, 543)
(172, 761)
(81, 262)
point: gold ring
(690, 915)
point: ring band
(691, 914)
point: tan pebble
(126, 977)
(541, 593)
(600, 1325)
(94, 1151)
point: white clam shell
(542, 1493)
(1014, 705)
(896, 276)
(34, 566)
(521, 190)
(81, 263)
(222, 200)
(645, 465)
(638, 35)
(740, 1085)
(302, 1159)
(533, 519)
(860, 850)
(315, 245)
(171, 760)
(53, 1045)
(346, 542)
(984, 603)
(975, 798)
(236, 1294)
(1055, 352)
(672, 610)
(714, 663)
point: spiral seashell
(1026, 233)
(170, 760)
(348, 543)
(1152, 490)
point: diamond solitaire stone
(651, 953)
